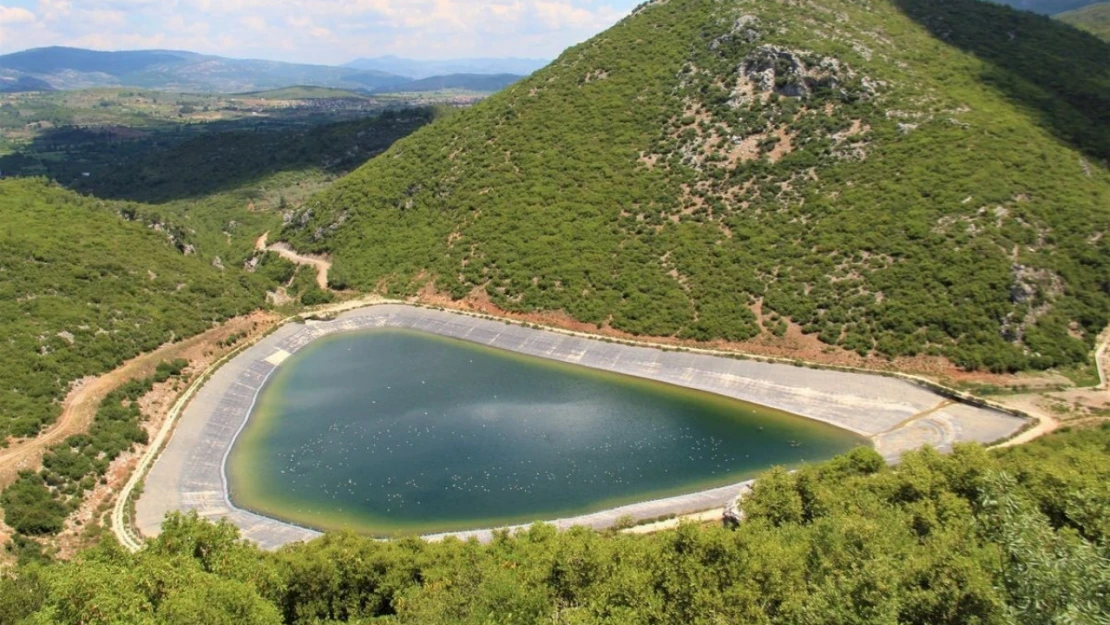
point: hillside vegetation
(1015, 537)
(896, 177)
(169, 249)
(83, 289)
(1094, 19)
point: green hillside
(1094, 19)
(972, 538)
(897, 177)
(83, 290)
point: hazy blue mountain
(73, 68)
(23, 83)
(484, 83)
(1047, 7)
(419, 69)
(58, 59)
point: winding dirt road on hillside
(321, 263)
(79, 406)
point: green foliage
(30, 506)
(305, 288)
(38, 503)
(83, 291)
(937, 540)
(1039, 589)
(929, 185)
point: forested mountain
(23, 84)
(1094, 19)
(988, 538)
(75, 68)
(420, 68)
(896, 177)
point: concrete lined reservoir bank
(195, 469)
(387, 431)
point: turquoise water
(393, 431)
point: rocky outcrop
(790, 73)
(776, 70)
(745, 29)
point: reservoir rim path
(895, 414)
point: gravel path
(321, 263)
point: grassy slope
(901, 239)
(71, 265)
(1094, 19)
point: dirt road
(79, 406)
(321, 263)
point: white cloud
(254, 23)
(320, 31)
(15, 15)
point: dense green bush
(38, 503)
(971, 538)
(83, 290)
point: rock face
(745, 29)
(1030, 282)
(774, 69)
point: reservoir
(390, 431)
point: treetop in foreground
(1017, 536)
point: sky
(312, 31)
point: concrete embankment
(897, 415)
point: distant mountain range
(418, 69)
(23, 83)
(1046, 7)
(173, 70)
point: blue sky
(312, 31)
